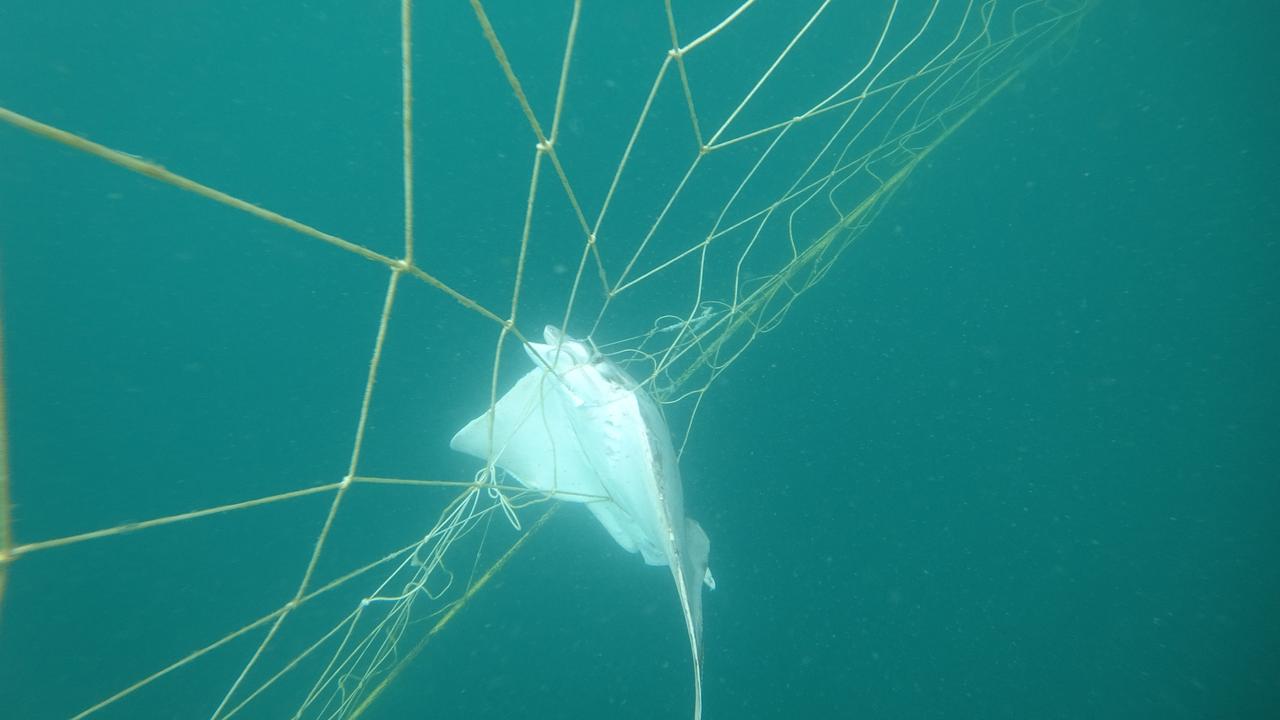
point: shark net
(313, 252)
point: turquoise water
(1014, 458)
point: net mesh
(665, 184)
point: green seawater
(1015, 458)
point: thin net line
(704, 339)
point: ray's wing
(533, 439)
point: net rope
(803, 183)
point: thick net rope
(729, 194)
